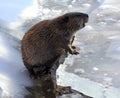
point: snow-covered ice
(12, 75)
(94, 72)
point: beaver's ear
(66, 19)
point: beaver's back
(39, 45)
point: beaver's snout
(86, 19)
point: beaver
(46, 41)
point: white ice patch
(95, 68)
(79, 71)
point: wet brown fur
(43, 44)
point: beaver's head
(72, 21)
(75, 20)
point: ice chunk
(95, 68)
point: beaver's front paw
(75, 52)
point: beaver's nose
(85, 15)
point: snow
(31, 11)
(12, 74)
(95, 72)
